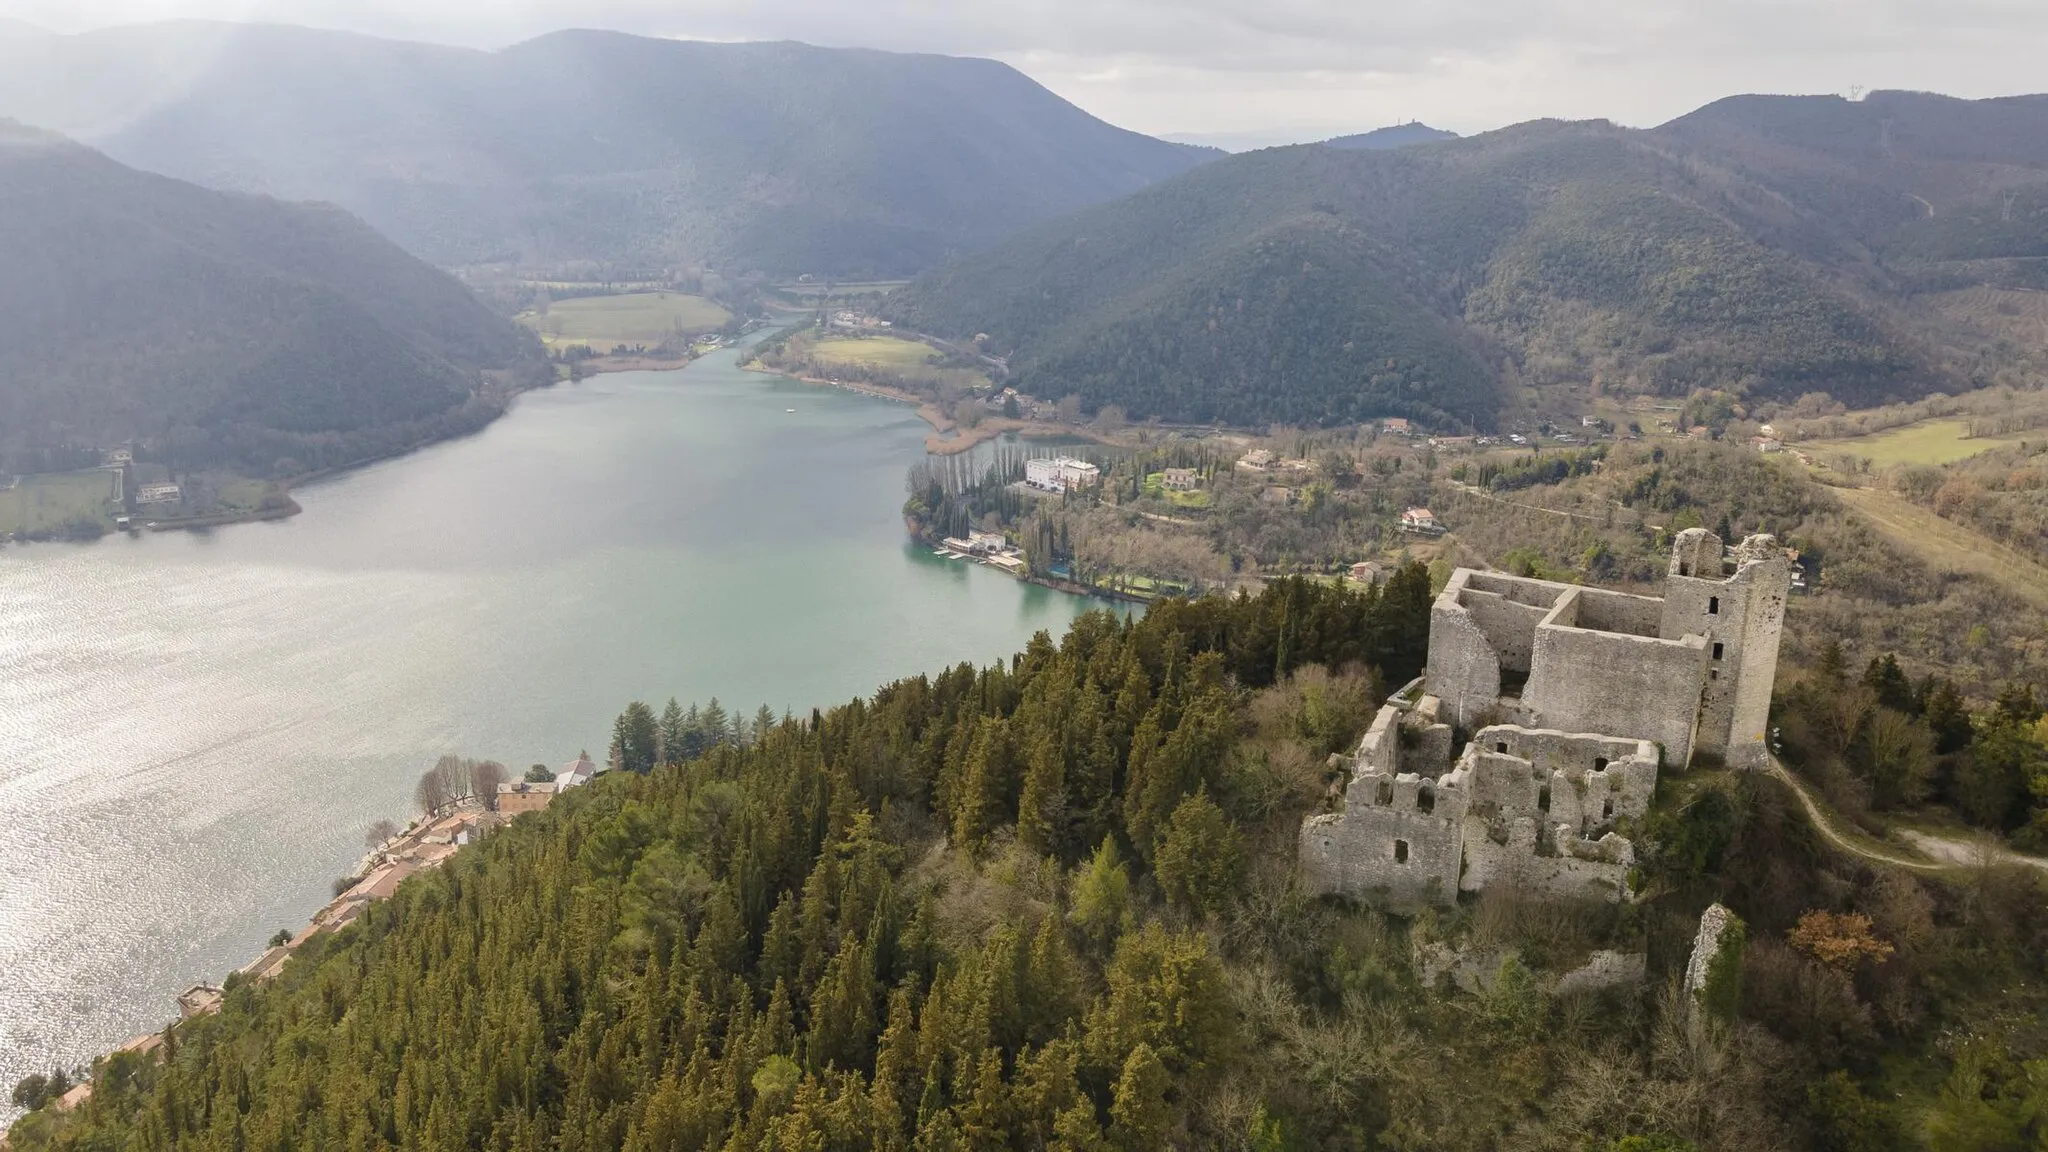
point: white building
(577, 772)
(158, 494)
(1061, 474)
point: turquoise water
(197, 729)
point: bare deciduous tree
(484, 778)
(380, 832)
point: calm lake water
(196, 730)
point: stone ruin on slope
(1541, 722)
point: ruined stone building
(1540, 724)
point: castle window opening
(1400, 851)
(1607, 809)
(1386, 792)
(1713, 673)
(1713, 605)
(1717, 651)
(1501, 746)
(1543, 798)
(1425, 799)
(1599, 763)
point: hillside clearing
(1933, 443)
(602, 323)
(1946, 545)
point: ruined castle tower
(1544, 717)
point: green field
(602, 323)
(44, 503)
(1935, 442)
(907, 358)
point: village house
(1421, 522)
(1180, 479)
(575, 773)
(1256, 460)
(1394, 425)
(1367, 572)
(520, 796)
(1061, 474)
(198, 1000)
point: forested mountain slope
(1047, 905)
(779, 157)
(221, 329)
(1392, 136)
(1767, 246)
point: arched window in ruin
(1386, 792)
(1599, 763)
(1425, 799)
(1400, 851)
(1543, 798)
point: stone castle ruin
(1541, 722)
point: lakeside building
(576, 773)
(1541, 722)
(520, 796)
(158, 494)
(1061, 474)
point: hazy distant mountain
(223, 328)
(780, 157)
(1770, 246)
(1393, 136)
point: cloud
(1241, 65)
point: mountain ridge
(223, 329)
(777, 156)
(1766, 247)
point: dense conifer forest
(1046, 905)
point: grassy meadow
(45, 502)
(1933, 443)
(601, 323)
(909, 359)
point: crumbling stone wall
(1740, 613)
(1586, 681)
(1396, 843)
(1617, 686)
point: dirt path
(1940, 853)
(1947, 545)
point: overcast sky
(1277, 69)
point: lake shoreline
(948, 438)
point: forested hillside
(1771, 247)
(781, 158)
(223, 329)
(1047, 904)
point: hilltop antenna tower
(2010, 195)
(1884, 138)
(1855, 93)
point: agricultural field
(602, 323)
(46, 503)
(1933, 443)
(909, 359)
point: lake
(196, 730)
